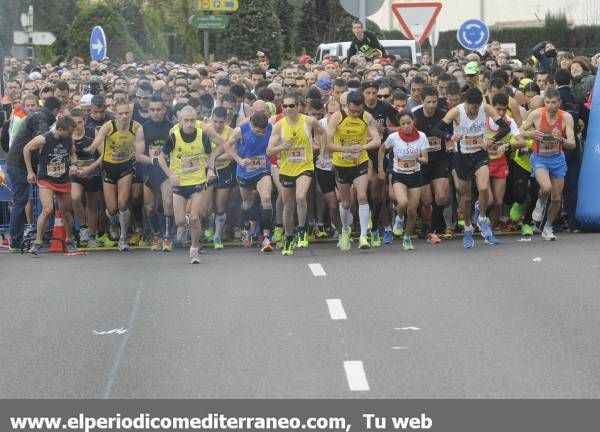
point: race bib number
(406, 166)
(190, 164)
(296, 155)
(120, 156)
(154, 151)
(56, 169)
(549, 146)
(348, 155)
(435, 144)
(256, 163)
(473, 142)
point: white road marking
(336, 309)
(118, 331)
(407, 328)
(399, 348)
(537, 259)
(317, 269)
(355, 374)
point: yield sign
(416, 19)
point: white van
(407, 49)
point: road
(440, 322)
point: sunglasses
(383, 96)
(290, 106)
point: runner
(552, 131)
(156, 134)
(115, 141)
(225, 176)
(56, 152)
(88, 181)
(410, 151)
(292, 139)
(191, 167)
(471, 160)
(350, 136)
(435, 174)
(247, 145)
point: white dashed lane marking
(355, 374)
(336, 309)
(317, 269)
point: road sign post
(362, 8)
(98, 47)
(416, 19)
(473, 34)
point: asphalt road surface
(518, 320)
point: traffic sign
(39, 38)
(218, 5)
(353, 6)
(416, 19)
(205, 22)
(473, 34)
(98, 44)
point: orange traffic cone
(59, 236)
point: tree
(119, 39)
(287, 17)
(255, 26)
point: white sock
(124, 217)
(219, 223)
(345, 217)
(363, 214)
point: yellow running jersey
(189, 160)
(225, 135)
(350, 131)
(119, 147)
(298, 158)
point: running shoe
(448, 234)
(388, 237)
(36, 247)
(84, 236)
(468, 241)
(93, 243)
(407, 244)
(29, 231)
(135, 238)
(538, 211)
(492, 240)
(398, 228)
(71, 246)
(167, 245)
(266, 245)
(526, 230)
(144, 243)
(194, 256)
(516, 211)
(246, 238)
(277, 234)
(375, 239)
(321, 232)
(156, 246)
(123, 245)
(105, 240)
(484, 226)
(433, 238)
(548, 233)
(218, 244)
(302, 240)
(344, 242)
(363, 243)
(288, 248)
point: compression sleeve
(503, 131)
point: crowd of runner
(162, 153)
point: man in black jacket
(35, 124)
(364, 42)
(545, 54)
(576, 107)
